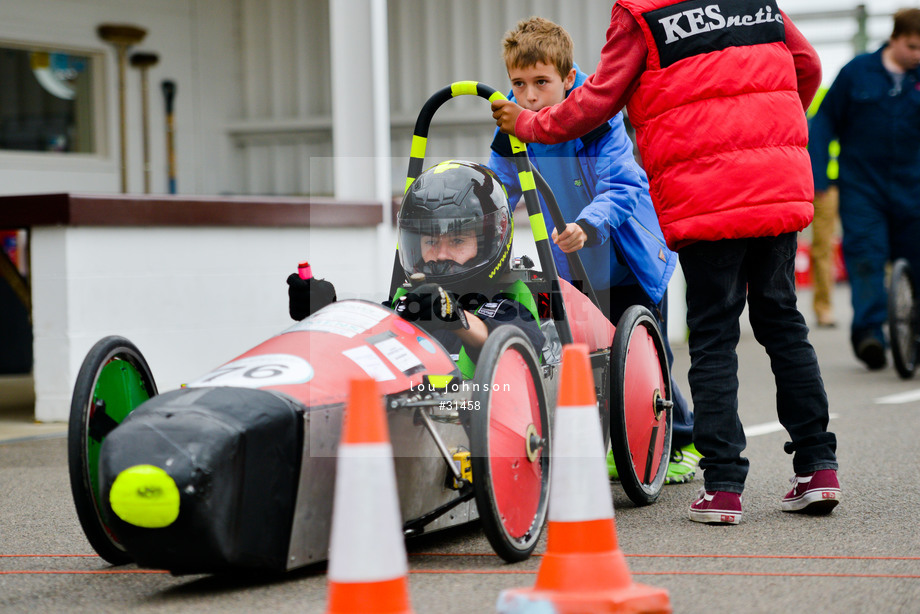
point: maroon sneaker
(813, 493)
(717, 507)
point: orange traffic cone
(583, 569)
(367, 555)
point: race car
(236, 469)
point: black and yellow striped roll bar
(526, 175)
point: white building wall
(191, 299)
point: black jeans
(720, 275)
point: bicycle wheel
(113, 380)
(902, 319)
(640, 405)
(510, 444)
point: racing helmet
(455, 226)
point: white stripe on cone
(367, 542)
(578, 471)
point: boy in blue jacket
(603, 195)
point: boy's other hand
(572, 239)
(505, 114)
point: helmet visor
(450, 248)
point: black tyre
(903, 329)
(510, 443)
(113, 380)
(641, 405)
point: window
(47, 100)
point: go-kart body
(252, 445)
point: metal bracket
(417, 526)
(442, 448)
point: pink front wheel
(509, 441)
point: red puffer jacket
(719, 121)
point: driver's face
(458, 247)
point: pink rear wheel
(640, 405)
(509, 440)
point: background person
(823, 233)
(873, 108)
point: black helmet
(455, 226)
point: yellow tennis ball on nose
(145, 496)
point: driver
(455, 230)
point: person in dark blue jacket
(873, 108)
(603, 195)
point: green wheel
(113, 380)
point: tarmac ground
(865, 557)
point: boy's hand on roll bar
(572, 239)
(505, 114)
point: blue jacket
(616, 204)
(878, 129)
